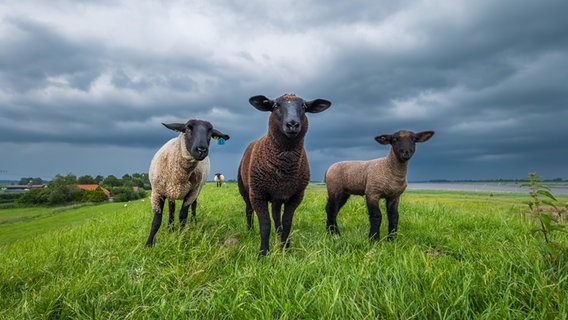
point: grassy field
(457, 256)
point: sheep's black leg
(171, 217)
(248, 207)
(289, 209)
(331, 210)
(243, 190)
(194, 211)
(375, 218)
(183, 214)
(249, 214)
(334, 204)
(261, 208)
(392, 213)
(276, 208)
(156, 222)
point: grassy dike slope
(458, 256)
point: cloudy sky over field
(84, 85)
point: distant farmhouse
(93, 187)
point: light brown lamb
(375, 179)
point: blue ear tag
(221, 141)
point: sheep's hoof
(374, 237)
(285, 245)
(333, 230)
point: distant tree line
(25, 181)
(135, 180)
(64, 189)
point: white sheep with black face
(219, 179)
(382, 178)
(179, 170)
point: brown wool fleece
(377, 178)
(275, 166)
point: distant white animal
(219, 178)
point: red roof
(93, 187)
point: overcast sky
(85, 85)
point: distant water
(483, 187)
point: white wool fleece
(174, 173)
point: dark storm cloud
(87, 85)
(32, 52)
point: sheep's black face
(404, 142)
(289, 112)
(197, 134)
(197, 138)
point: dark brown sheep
(375, 179)
(275, 167)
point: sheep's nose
(201, 149)
(293, 125)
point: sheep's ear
(317, 105)
(178, 127)
(217, 134)
(423, 136)
(384, 139)
(262, 103)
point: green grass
(458, 256)
(25, 223)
